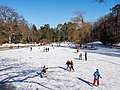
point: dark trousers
(72, 68)
(85, 57)
(68, 66)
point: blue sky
(54, 12)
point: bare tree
(10, 19)
(12, 25)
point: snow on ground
(20, 67)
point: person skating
(47, 49)
(31, 48)
(71, 67)
(96, 77)
(44, 71)
(68, 64)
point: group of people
(46, 49)
(80, 55)
(96, 74)
(69, 64)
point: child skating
(43, 74)
(96, 77)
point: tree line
(15, 29)
(107, 28)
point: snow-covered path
(20, 67)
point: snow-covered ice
(20, 67)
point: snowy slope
(20, 67)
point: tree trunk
(9, 38)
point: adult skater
(52, 46)
(96, 77)
(85, 55)
(31, 48)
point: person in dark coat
(71, 67)
(31, 48)
(68, 64)
(85, 55)
(96, 77)
(44, 71)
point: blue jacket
(96, 75)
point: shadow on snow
(87, 82)
(62, 68)
(22, 75)
(16, 76)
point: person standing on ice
(71, 67)
(85, 55)
(80, 56)
(52, 46)
(68, 64)
(96, 77)
(44, 71)
(30, 48)
(78, 50)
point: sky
(54, 12)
